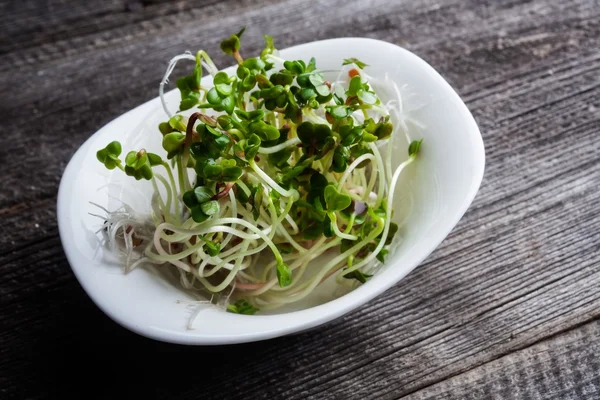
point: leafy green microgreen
(391, 233)
(231, 45)
(254, 64)
(359, 276)
(189, 86)
(318, 182)
(172, 143)
(366, 97)
(210, 207)
(314, 137)
(109, 156)
(350, 134)
(384, 131)
(334, 200)
(137, 164)
(339, 112)
(341, 157)
(295, 67)
(165, 128)
(413, 148)
(355, 86)
(203, 194)
(136, 160)
(355, 61)
(284, 274)
(225, 170)
(282, 78)
(289, 173)
(242, 307)
(263, 130)
(256, 200)
(144, 172)
(213, 249)
(381, 255)
(269, 48)
(250, 116)
(196, 200)
(223, 84)
(246, 149)
(155, 159)
(178, 123)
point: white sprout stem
(337, 231)
(161, 203)
(352, 167)
(208, 64)
(279, 147)
(165, 79)
(174, 190)
(388, 219)
(270, 182)
(400, 111)
(230, 276)
(234, 213)
(379, 161)
(169, 193)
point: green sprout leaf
(384, 131)
(231, 44)
(313, 134)
(223, 84)
(137, 164)
(295, 67)
(355, 86)
(211, 248)
(202, 194)
(136, 159)
(263, 130)
(210, 207)
(109, 156)
(282, 78)
(199, 202)
(414, 147)
(359, 276)
(341, 157)
(254, 63)
(165, 128)
(355, 61)
(178, 123)
(316, 79)
(242, 307)
(334, 200)
(366, 97)
(269, 48)
(173, 142)
(339, 112)
(284, 274)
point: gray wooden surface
(507, 307)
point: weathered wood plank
(562, 367)
(522, 265)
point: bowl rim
(303, 319)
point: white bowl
(440, 186)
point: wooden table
(506, 307)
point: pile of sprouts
(287, 167)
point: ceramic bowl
(437, 190)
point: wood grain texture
(506, 307)
(563, 367)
